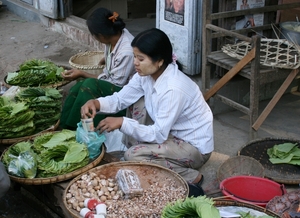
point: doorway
(138, 15)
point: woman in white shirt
(178, 134)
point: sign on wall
(174, 11)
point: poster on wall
(249, 20)
(174, 11)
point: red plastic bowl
(251, 189)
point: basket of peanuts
(124, 189)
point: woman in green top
(107, 28)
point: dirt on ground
(21, 40)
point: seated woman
(179, 135)
(107, 28)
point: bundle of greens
(288, 153)
(35, 72)
(200, 206)
(46, 104)
(16, 119)
(56, 153)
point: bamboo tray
(60, 178)
(148, 174)
(240, 165)
(15, 140)
(281, 173)
(236, 205)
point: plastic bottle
(85, 212)
(101, 209)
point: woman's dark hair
(99, 22)
(154, 43)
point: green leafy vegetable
(35, 72)
(200, 206)
(288, 153)
(56, 153)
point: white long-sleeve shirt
(175, 104)
(121, 66)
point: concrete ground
(21, 40)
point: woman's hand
(90, 108)
(72, 74)
(109, 124)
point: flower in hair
(114, 17)
(174, 57)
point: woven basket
(148, 174)
(60, 178)
(281, 173)
(278, 53)
(88, 61)
(54, 85)
(238, 166)
(15, 140)
(231, 203)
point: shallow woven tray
(88, 61)
(288, 197)
(55, 85)
(240, 166)
(224, 203)
(273, 52)
(60, 178)
(148, 173)
(281, 173)
(15, 140)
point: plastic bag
(93, 140)
(24, 165)
(129, 183)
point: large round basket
(88, 61)
(238, 166)
(148, 174)
(281, 173)
(60, 178)
(15, 140)
(236, 206)
(53, 85)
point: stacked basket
(88, 61)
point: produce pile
(33, 110)
(288, 153)
(16, 119)
(35, 72)
(49, 154)
(283, 205)
(46, 104)
(95, 185)
(200, 206)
